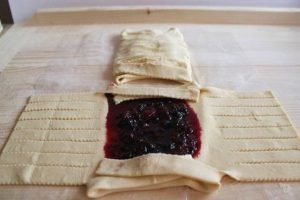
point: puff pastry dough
(59, 139)
(248, 136)
(153, 63)
(56, 141)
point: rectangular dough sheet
(59, 140)
(56, 141)
(248, 136)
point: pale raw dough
(152, 54)
(56, 140)
(245, 135)
(59, 139)
(153, 63)
(248, 136)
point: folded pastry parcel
(153, 63)
(73, 139)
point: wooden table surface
(76, 57)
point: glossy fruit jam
(143, 126)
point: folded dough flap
(56, 140)
(152, 171)
(249, 136)
(149, 88)
(152, 54)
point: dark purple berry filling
(143, 126)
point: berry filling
(161, 125)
